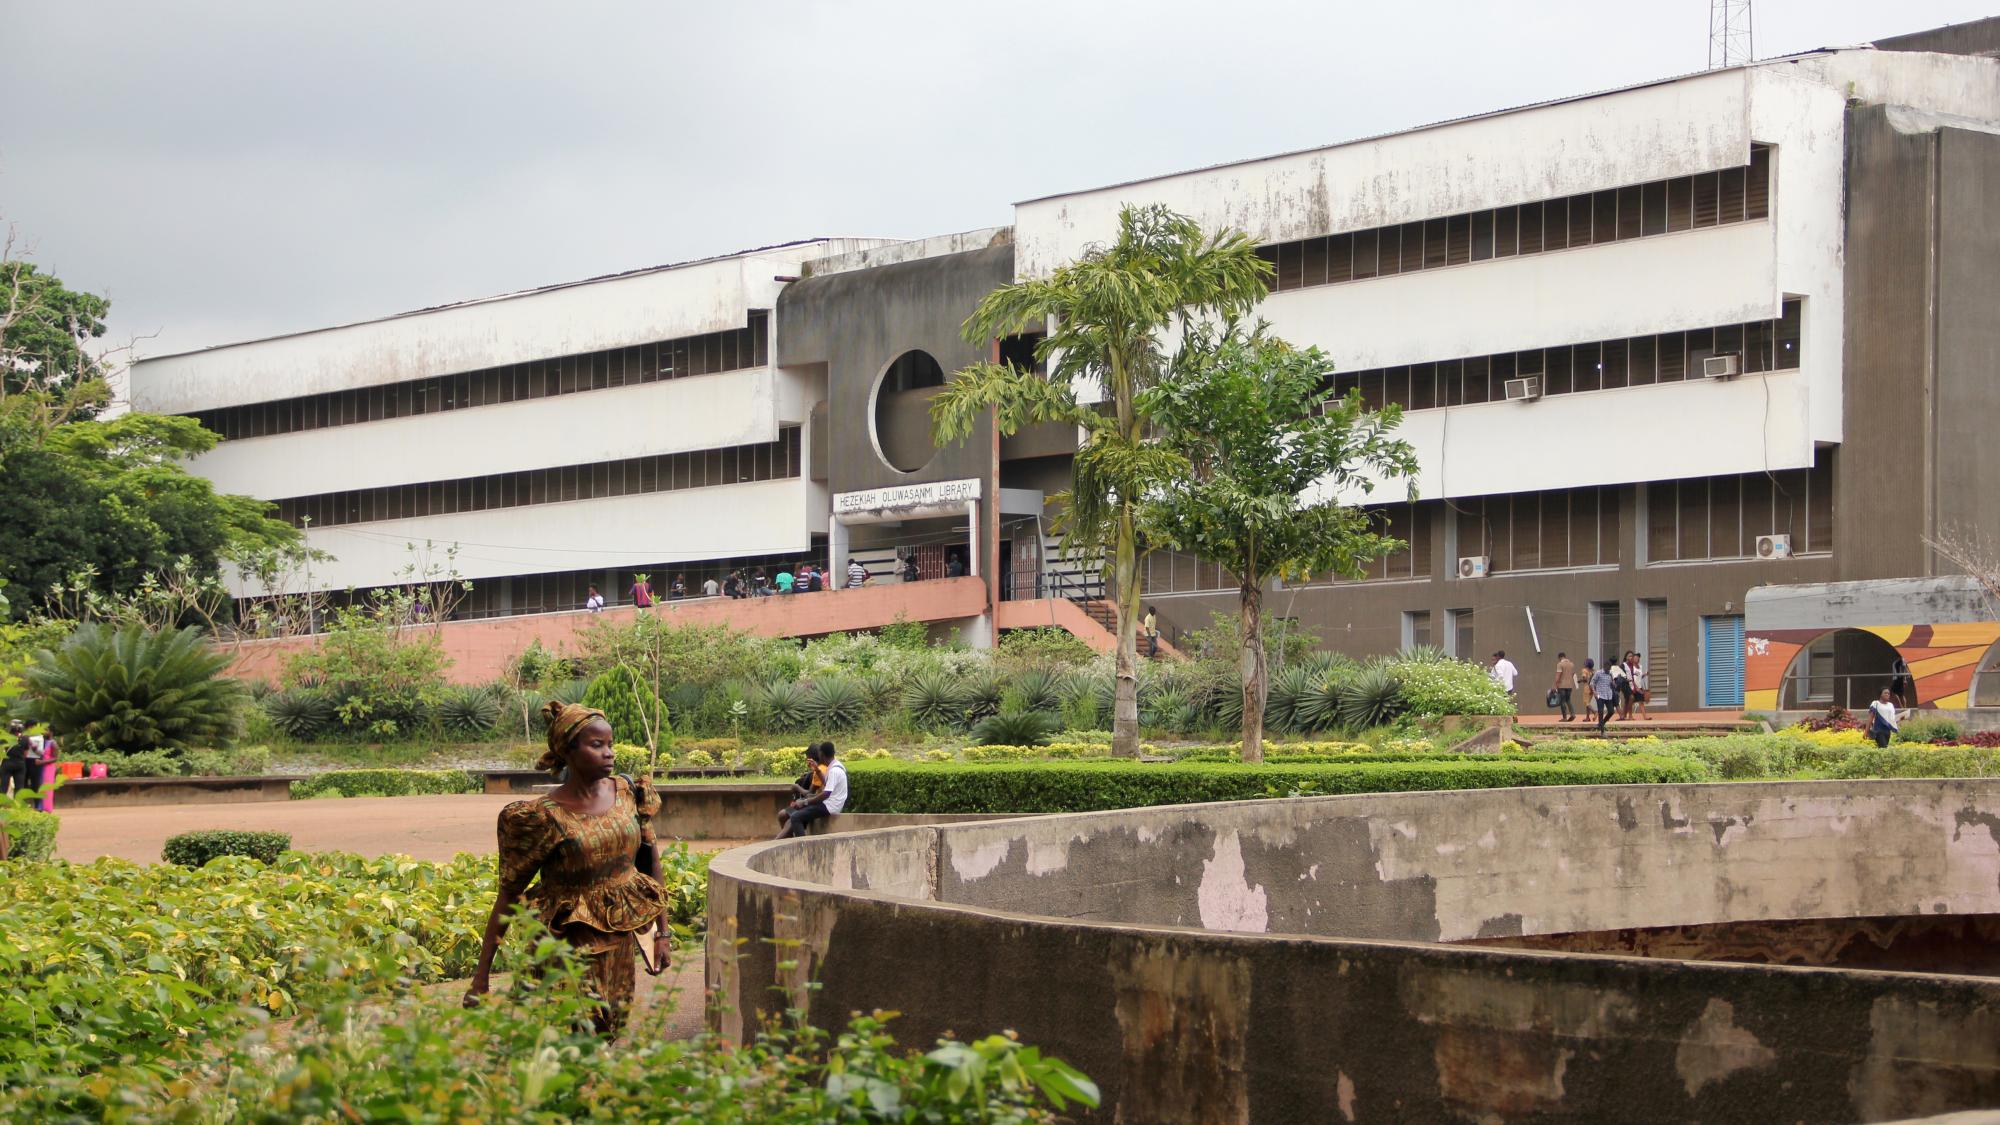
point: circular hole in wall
(902, 412)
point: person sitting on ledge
(591, 841)
(831, 798)
(810, 782)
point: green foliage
(783, 705)
(1912, 761)
(31, 835)
(1037, 689)
(243, 761)
(1449, 687)
(904, 633)
(1045, 645)
(130, 690)
(985, 690)
(629, 705)
(45, 338)
(1288, 642)
(387, 783)
(1016, 728)
(467, 712)
(1372, 696)
(302, 714)
(382, 679)
(935, 699)
(195, 849)
(1082, 786)
(150, 763)
(834, 703)
(1926, 728)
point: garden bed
(113, 792)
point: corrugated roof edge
(1817, 51)
(497, 297)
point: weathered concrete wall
(1078, 932)
(1968, 334)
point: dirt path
(420, 827)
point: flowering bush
(1836, 718)
(1850, 736)
(1450, 687)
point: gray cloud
(229, 170)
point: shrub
(31, 836)
(1045, 645)
(1442, 686)
(934, 698)
(985, 690)
(129, 690)
(1370, 697)
(195, 849)
(628, 703)
(1165, 707)
(1281, 705)
(1039, 689)
(698, 759)
(1916, 761)
(904, 633)
(1015, 728)
(386, 783)
(1316, 706)
(1927, 728)
(834, 703)
(303, 714)
(244, 761)
(467, 712)
(152, 763)
(782, 705)
(1056, 787)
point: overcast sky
(231, 170)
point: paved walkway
(419, 827)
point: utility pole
(310, 630)
(1729, 42)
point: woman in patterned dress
(591, 841)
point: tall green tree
(1111, 317)
(45, 333)
(1264, 461)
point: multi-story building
(1656, 347)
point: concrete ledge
(1288, 960)
(722, 810)
(502, 782)
(111, 792)
(866, 822)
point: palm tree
(1106, 314)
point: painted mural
(1943, 659)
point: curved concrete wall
(1284, 960)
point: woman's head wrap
(565, 721)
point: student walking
(1621, 689)
(1505, 672)
(1602, 693)
(1882, 724)
(1635, 675)
(1564, 689)
(1151, 628)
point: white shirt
(711, 588)
(835, 787)
(857, 575)
(1505, 672)
(594, 602)
(1887, 711)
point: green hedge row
(33, 837)
(1055, 787)
(387, 783)
(195, 849)
(1920, 761)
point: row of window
(1551, 530)
(543, 378)
(667, 472)
(1670, 357)
(1733, 195)
(1721, 517)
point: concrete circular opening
(901, 418)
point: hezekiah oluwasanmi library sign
(934, 495)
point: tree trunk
(1255, 673)
(1125, 599)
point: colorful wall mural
(1943, 660)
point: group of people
(1618, 690)
(819, 793)
(30, 763)
(809, 578)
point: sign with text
(934, 495)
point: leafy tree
(1264, 462)
(1107, 315)
(113, 499)
(629, 704)
(45, 329)
(130, 690)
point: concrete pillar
(972, 538)
(836, 548)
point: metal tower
(1729, 33)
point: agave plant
(1163, 706)
(1370, 698)
(1281, 705)
(130, 690)
(835, 703)
(303, 714)
(983, 694)
(468, 712)
(1040, 689)
(1015, 728)
(881, 690)
(1317, 707)
(934, 698)
(783, 705)
(1423, 654)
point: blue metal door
(1722, 661)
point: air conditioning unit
(1774, 546)
(1473, 566)
(1524, 390)
(1721, 367)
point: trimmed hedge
(387, 783)
(1913, 760)
(33, 836)
(1056, 787)
(195, 849)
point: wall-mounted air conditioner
(1721, 367)
(1774, 546)
(1473, 566)
(1524, 390)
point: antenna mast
(1729, 33)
